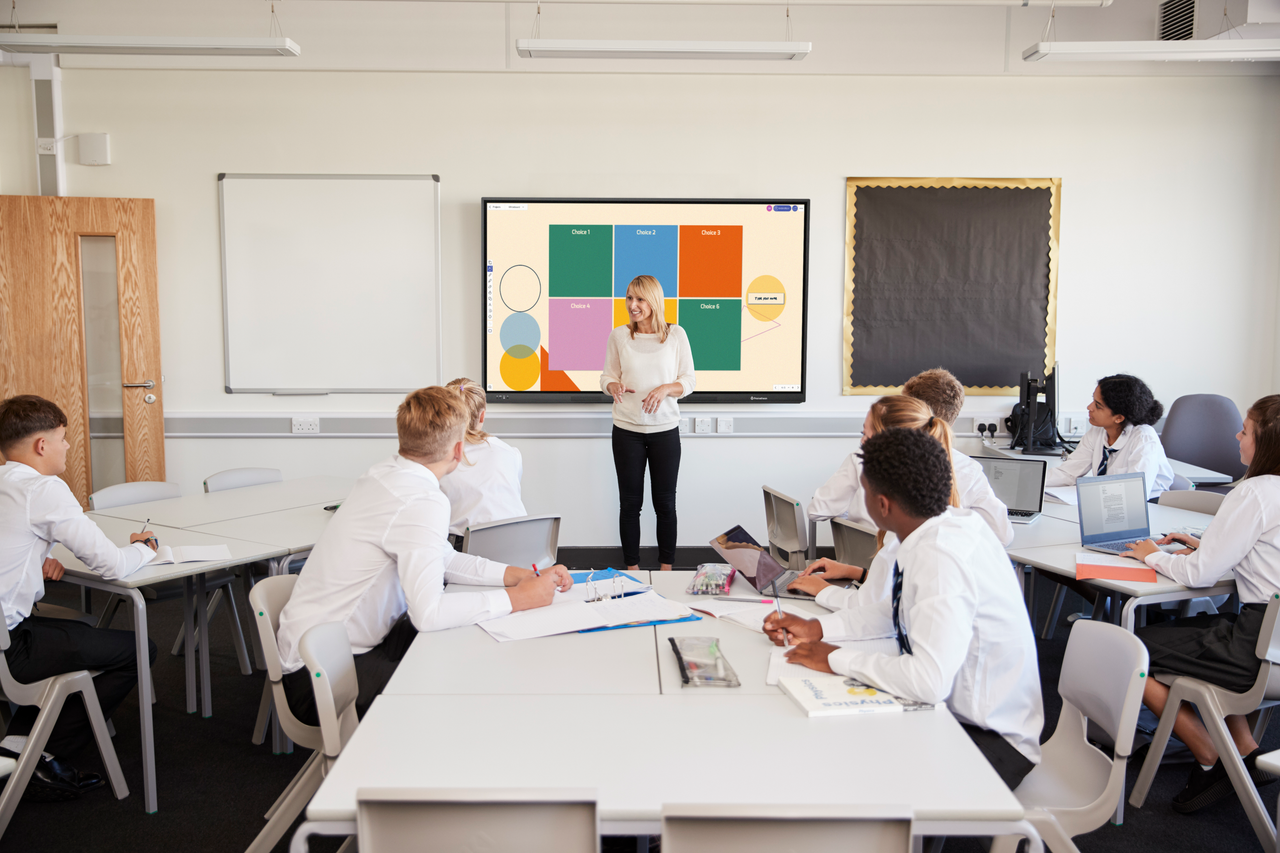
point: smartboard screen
(734, 275)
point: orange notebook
(1106, 567)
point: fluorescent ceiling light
(1207, 50)
(601, 49)
(148, 45)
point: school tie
(1106, 454)
(904, 644)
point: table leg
(145, 693)
(189, 646)
(308, 828)
(202, 613)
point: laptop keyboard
(1113, 547)
(1022, 513)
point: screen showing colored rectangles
(733, 274)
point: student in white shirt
(382, 562)
(1244, 538)
(956, 609)
(37, 511)
(486, 486)
(943, 394)
(648, 366)
(1120, 439)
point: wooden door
(42, 322)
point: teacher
(648, 367)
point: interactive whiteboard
(734, 275)
(330, 283)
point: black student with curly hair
(1120, 439)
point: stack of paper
(779, 668)
(567, 615)
(190, 554)
(1091, 564)
(646, 607)
(611, 586)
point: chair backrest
(1268, 648)
(1104, 671)
(326, 652)
(238, 478)
(526, 541)
(854, 546)
(140, 491)
(1201, 429)
(267, 599)
(1206, 502)
(768, 829)
(390, 820)
(787, 526)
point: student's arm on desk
(1228, 538)
(57, 517)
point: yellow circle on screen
(766, 298)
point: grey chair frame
(523, 541)
(788, 529)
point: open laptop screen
(747, 556)
(1113, 507)
(1018, 483)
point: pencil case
(711, 579)
(702, 664)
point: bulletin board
(958, 273)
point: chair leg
(293, 783)
(266, 707)
(1211, 714)
(1055, 838)
(1155, 752)
(30, 755)
(246, 583)
(237, 631)
(288, 811)
(109, 610)
(106, 749)
(1055, 610)
(1260, 724)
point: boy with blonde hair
(381, 565)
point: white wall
(1169, 262)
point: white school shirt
(1244, 536)
(842, 497)
(971, 641)
(36, 511)
(487, 489)
(642, 364)
(864, 612)
(1138, 448)
(385, 551)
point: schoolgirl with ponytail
(486, 486)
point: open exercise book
(745, 613)
(190, 554)
(569, 613)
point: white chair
(1215, 704)
(49, 695)
(788, 529)
(268, 598)
(238, 478)
(1206, 502)
(854, 546)
(1271, 764)
(1076, 787)
(527, 541)
(770, 828)
(443, 820)
(137, 492)
(326, 653)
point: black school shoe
(1203, 788)
(55, 781)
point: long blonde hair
(473, 396)
(649, 289)
(910, 413)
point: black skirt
(1220, 648)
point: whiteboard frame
(226, 327)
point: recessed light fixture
(148, 45)
(603, 49)
(1203, 50)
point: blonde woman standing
(648, 367)
(486, 486)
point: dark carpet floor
(214, 785)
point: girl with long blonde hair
(486, 485)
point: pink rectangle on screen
(579, 333)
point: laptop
(1113, 511)
(754, 562)
(1018, 483)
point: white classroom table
(207, 508)
(1194, 473)
(192, 574)
(296, 529)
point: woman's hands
(617, 389)
(655, 397)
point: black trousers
(1010, 765)
(661, 451)
(42, 647)
(374, 669)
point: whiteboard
(330, 283)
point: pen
(752, 600)
(151, 539)
(536, 573)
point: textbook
(189, 554)
(835, 695)
(1106, 567)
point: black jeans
(661, 450)
(42, 647)
(374, 669)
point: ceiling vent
(1176, 20)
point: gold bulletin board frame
(1054, 185)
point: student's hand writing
(831, 570)
(812, 584)
(617, 389)
(532, 592)
(655, 397)
(53, 570)
(146, 538)
(789, 629)
(1141, 550)
(1190, 541)
(812, 655)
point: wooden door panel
(140, 338)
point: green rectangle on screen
(581, 260)
(714, 327)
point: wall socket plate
(306, 426)
(702, 426)
(724, 426)
(684, 426)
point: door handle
(147, 384)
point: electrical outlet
(724, 426)
(702, 426)
(684, 426)
(306, 426)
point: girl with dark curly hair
(1120, 439)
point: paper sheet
(779, 668)
(753, 617)
(190, 554)
(587, 590)
(715, 607)
(562, 618)
(646, 607)
(1062, 494)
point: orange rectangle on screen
(711, 261)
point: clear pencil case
(711, 579)
(702, 664)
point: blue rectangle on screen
(646, 250)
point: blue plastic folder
(694, 618)
(603, 574)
